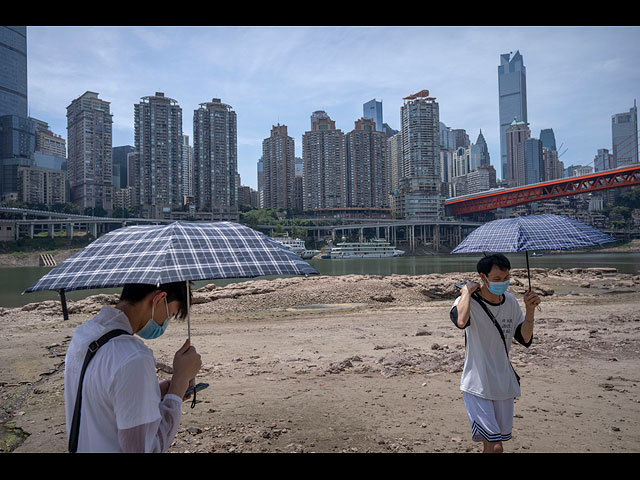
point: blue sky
(577, 77)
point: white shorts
(489, 419)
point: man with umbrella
(125, 409)
(156, 264)
(491, 318)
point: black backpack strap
(93, 348)
(478, 299)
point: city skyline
(577, 77)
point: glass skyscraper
(373, 110)
(13, 74)
(624, 136)
(512, 94)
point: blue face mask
(498, 288)
(152, 330)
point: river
(13, 281)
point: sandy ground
(356, 364)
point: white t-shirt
(121, 405)
(487, 372)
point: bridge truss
(621, 177)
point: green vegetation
(619, 213)
(45, 244)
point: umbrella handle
(192, 382)
(529, 275)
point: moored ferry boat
(307, 254)
(372, 249)
(296, 245)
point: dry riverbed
(357, 363)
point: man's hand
(531, 300)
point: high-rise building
(365, 173)
(483, 150)
(461, 138)
(394, 167)
(13, 75)
(89, 141)
(323, 155)
(515, 135)
(17, 132)
(548, 138)
(604, 160)
(187, 167)
(481, 179)
(553, 168)
(215, 157)
(158, 146)
(373, 110)
(420, 192)
(45, 186)
(532, 157)
(121, 165)
(624, 136)
(512, 98)
(278, 155)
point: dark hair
(485, 264)
(135, 292)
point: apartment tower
(323, 156)
(278, 154)
(365, 171)
(420, 192)
(215, 157)
(89, 144)
(158, 146)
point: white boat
(307, 254)
(296, 245)
(372, 249)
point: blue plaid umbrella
(180, 251)
(530, 233)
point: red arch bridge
(509, 197)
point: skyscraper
(158, 145)
(420, 189)
(17, 132)
(548, 139)
(13, 76)
(624, 136)
(365, 172)
(278, 155)
(215, 156)
(323, 156)
(373, 111)
(515, 135)
(532, 157)
(512, 98)
(89, 143)
(481, 144)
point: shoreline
(355, 364)
(31, 259)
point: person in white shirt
(124, 407)
(489, 383)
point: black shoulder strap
(93, 348)
(477, 298)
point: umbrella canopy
(180, 251)
(529, 233)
